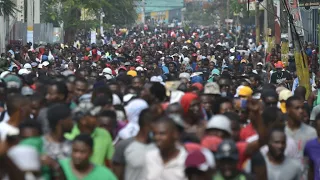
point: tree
(7, 8)
(67, 13)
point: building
(165, 11)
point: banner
(285, 53)
(310, 3)
(303, 71)
(93, 36)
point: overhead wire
(279, 18)
(295, 32)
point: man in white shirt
(129, 158)
(18, 110)
(167, 162)
(279, 166)
(300, 132)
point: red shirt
(241, 146)
(246, 132)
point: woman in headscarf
(193, 116)
(133, 110)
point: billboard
(310, 3)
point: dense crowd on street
(158, 103)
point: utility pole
(265, 18)
(30, 21)
(228, 13)
(36, 11)
(257, 21)
(299, 54)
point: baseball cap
(44, 58)
(279, 65)
(215, 72)
(122, 68)
(202, 160)
(4, 74)
(198, 85)
(259, 64)
(227, 150)
(13, 81)
(27, 66)
(139, 69)
(132, 73)
(23, 71)
(245, 91)
(194, 54)
(212, 88)
(34, 64)
(46, 63)
(211, 142)
(184, 75)
(107, 71)
(220, 122)
(127, 64)
(285, 94)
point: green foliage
(235, 7)
(196, 15)
(7, 8)
(120, 13)
(68, 12)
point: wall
(43, 32)
(310, 20)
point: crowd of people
(158, 103)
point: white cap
(176, 96)
(4, 74)
(46, 63)
(220, 122)
(107, 71)
(24, 71)
(108, 76)
(157, 79)
(260, 63)
(40, 66)
(139, 68)
(184, 75)
(27, 66)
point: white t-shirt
(6, 116)
(155, 169)
(291, 150)
(6, 129)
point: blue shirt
(312, 151)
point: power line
(280, 20)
